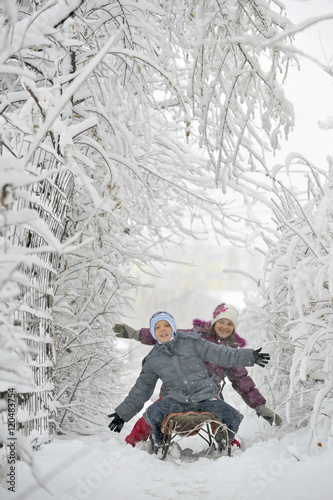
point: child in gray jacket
(178, 360)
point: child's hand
(117, 423)
(261, 358)
(125, 332)
(269, 415)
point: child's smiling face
(163, 331)
(224, 328)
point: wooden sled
(204, 424)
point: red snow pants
(140, 431)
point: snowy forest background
(128, 128)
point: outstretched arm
(143, 335)
(222, 355)
(138, 395)
(245, 386)
(124, 331)
(228, 357)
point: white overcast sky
(311, 89)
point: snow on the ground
(272, 465)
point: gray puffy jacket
(180, 365)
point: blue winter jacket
(180, 365)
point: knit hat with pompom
(226, 311)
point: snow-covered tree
(134, 119)
(298, 295)
(140, 161)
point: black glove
(117, 423)
(261, 359)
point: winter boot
(140, 432)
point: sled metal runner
(204, 424)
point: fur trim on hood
(203, 326)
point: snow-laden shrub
(294, 316)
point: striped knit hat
(159, 316)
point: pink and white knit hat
(226, 311)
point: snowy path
(272, 466)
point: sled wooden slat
(204, 424)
